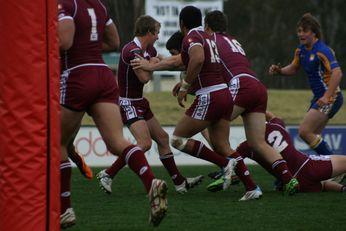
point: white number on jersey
(214, 53)
(235, 45)
(275, 139)
(93, 32)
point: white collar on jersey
(199, 28)
(138, 43)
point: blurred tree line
(266, 29)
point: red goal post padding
(29, 119)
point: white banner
(167, 13)
(90, 144)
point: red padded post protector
(29, 116)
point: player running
(324, 75)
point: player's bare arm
(155, 59)
(111, 40)
(196, 54)
(332, 87)
(169, 63)
(66, 30)
(143, 76)
(276, 69)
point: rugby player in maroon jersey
(88, 85)
(249, 96)
(135, 108)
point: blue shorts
(330, 109)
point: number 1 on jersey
(93, 32)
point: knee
(145, 145)
(163, 140)
(178, 142)
(256, 144)
(222, 148)
(117, 146)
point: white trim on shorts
(202, 107)
(130, 99)
(244, 75)
(129, 109)
(234, 84)
(87, 65)
(206, 90)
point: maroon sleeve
(188, 41)
(130, 52)
(152, 52)
(65, 8)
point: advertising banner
(334, 136)
(90, 144)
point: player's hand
(275, 69)
(175, 89)
(140, 63)
(182, 95)
(324, 104)
(323, 101)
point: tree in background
(267, 30)
(124, 14)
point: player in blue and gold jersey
(324, 75)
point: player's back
(90, 18)
(212, 71)
(277, 136)
(232, 55)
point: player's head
(190, 17)
(173, 44)
(216, 21)
(146, 24)
(308, 22)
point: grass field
(198, 210)
(127, 207)
(290, 105)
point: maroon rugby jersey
(277, 136)
(232, 55)
(90, 18)
(212, 70)
(129, 84)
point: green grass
(127, 207)
(291, 105)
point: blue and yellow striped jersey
(318, 64)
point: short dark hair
(216, 20)
(145, 24)
(191, 17)
(307, 21)
(175, 41)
